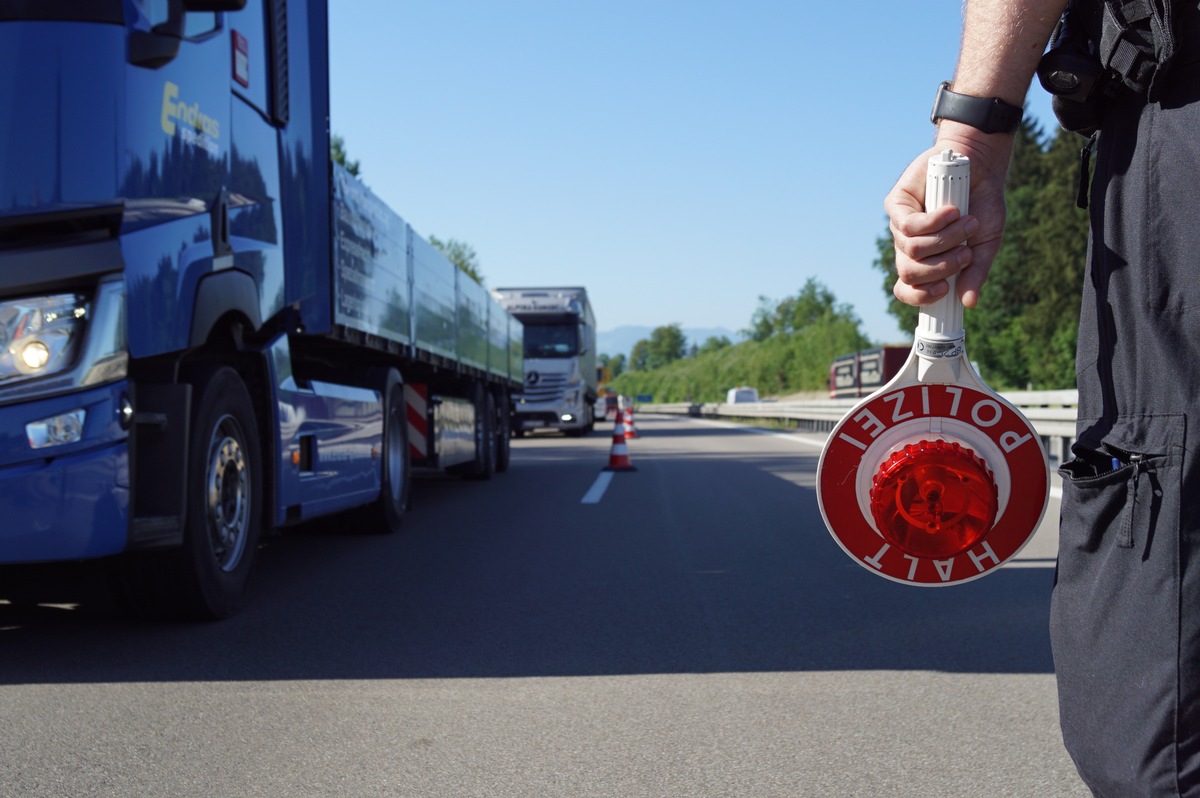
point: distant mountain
(620, 340)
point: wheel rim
(228, 481)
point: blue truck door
(175, 164)
(250, 260)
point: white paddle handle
(939, 331)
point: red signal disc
(931, 412)
(934, 499)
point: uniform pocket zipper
(1120, 459)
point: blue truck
(209, 330)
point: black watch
(989, 114)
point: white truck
(560, 359)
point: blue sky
(679, 159)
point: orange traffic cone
(630, 429)
(619, 459)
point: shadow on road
(691, 565)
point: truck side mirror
(152, 49)
(214, 5)
(160, 44)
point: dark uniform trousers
(1125, 614)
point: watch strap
(988, 114)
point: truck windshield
(72, 10)
(551, 340)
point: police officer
(1125, 613)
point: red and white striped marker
(416, 398)
(618, 459)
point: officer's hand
(931, 247)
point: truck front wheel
(206, 577)
(224, 515)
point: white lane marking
(596, 492)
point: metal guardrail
(1052, 414)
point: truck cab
(560, 387)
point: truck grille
(545, 388)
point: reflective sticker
(241, 59)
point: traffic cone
(618, 460)
(630, 429)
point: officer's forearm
(1002, 43)
(1003, 40)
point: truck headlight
(40, 335)
(77, 338)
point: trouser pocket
(1114, 621)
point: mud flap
(159, 445)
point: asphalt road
(689, 631)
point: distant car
(742, 394)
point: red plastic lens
(934, 499)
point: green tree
(461, 254)
(813, 304)
(905, 315)
(667, 344)
(337, 150)
(614, 363)
(639, 356)
(763, 322)
(1059, 243)
(713, 343)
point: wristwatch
(989, 114)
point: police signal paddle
(934, 479)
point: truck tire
(484, 464)
(206, 578)
(503, 432)
(386, 513)
(225, 490)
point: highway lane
(691, 631)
